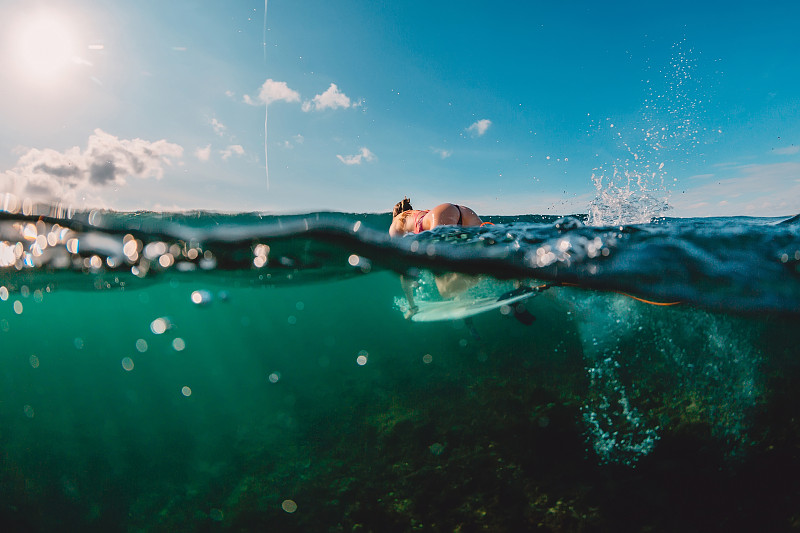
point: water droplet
(160, 325)
(201, 297)
(289, 506)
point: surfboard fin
(522, 314)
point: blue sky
(508, 107)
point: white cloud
(203, 154)
(788, 150)
(273, 91)
(287, 144)
(330, 99)
(441, 152)
(234, 149)
(754, 190)
(363, 155)
(219, 127)
(479, 128)
(106, 161)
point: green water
(255, 404)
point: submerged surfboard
(466, 307)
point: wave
(735, 264)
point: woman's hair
(399, 207)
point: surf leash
(638, 299)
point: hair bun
(403, 205)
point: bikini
(418, 221)
(421, 214)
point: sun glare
(44, 44)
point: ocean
(246, 372)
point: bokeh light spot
(289, 506)
(201, 297)
(159, 325)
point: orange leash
(662, 304)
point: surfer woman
(406, 219)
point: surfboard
(467, 307)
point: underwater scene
(210, 372)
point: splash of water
(632, 188)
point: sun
(43, 45)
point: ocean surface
(215, 372)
